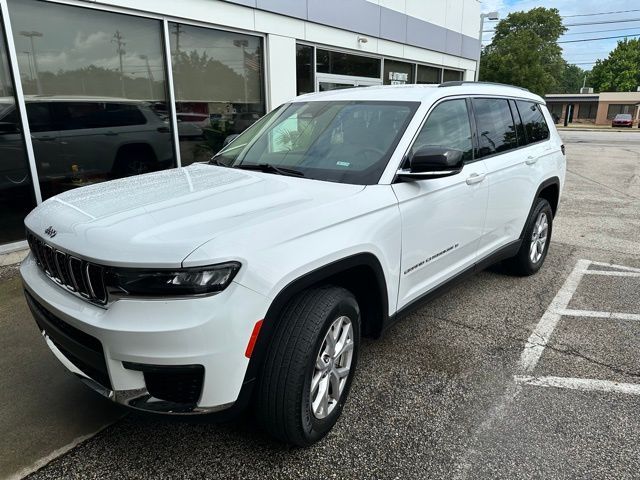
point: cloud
(83, 41)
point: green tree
(572, 79)
(525, 51)
(620, 71)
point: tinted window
(534, 122)
(16, 189)
(428, 75)
(219, 79)
(79, 115)
(304, 69)
(89, 60)
(347, 64)
(397, 73)
(614, 109)
(447, 126)
(496, 131)
(522, 138)
(40, 119)
(451, 75)
(346, 142)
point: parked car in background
(108, 137)
(250, 280)
(622, 120)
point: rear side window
(82, 115)
(534, 122)
(447, 126)
(496, 130)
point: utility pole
(149, 75)
(490, 16)
(117, 39)
(243, 44)
(31, 36)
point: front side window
(346, 142)
(534, 123)
(447, 126)
(496, 130)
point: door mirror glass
(433, 162)
(435, 159)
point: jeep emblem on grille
(50, 231)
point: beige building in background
(593, 108)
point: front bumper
(118, 350)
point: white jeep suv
(252, 278)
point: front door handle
(531, 160)
(476, 178)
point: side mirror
(8, 127)
(229, 139)
(432, 162)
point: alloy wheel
(332, 367)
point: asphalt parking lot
(502, 377)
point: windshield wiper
(269, 168)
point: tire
(526, 262)
(284, 401)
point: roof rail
(469, 82)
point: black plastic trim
(82, 349)
(503, 253)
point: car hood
(158, 219)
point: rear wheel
(535, 243)
(310, 366)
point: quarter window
(496, 131)
(534, 122)
(447, 126)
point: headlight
(185, 281)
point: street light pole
(489, 16)
(30, 35)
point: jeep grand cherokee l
(251, 279)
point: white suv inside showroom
(249, 280)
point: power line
(602, 22)
(600, 13)
(600, 38)
(598, 31)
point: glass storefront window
(428, 75)
(304, 69)
(347, 64)
(218, 82)
(452, 76)
(95, 90)
(397, 73)
(16, 189)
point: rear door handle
(476, 178)
(531, 160)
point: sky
(583, 54)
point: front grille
(172, 383)
(80, 348)
(76, 275)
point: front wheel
(309, 366)
(535, 243)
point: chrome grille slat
(78, 276)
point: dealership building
(97, 90)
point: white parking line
(619, 267)
(542, 333)
(587, 384)
(592, 314)
(612, 273)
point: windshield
(347, 142)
